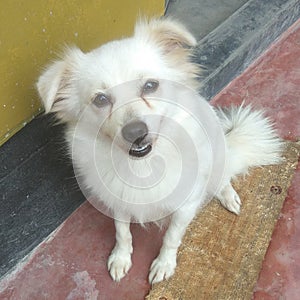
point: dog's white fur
(159, 49)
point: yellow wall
(33, 32)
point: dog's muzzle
(136, 134)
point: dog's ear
(168, 34)
(175, 43)
(55, 84)
(50, 83)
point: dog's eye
(150, 86)
(101, 100)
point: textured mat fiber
(221, 254)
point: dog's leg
(119, 261)
(230, 199)
(164, 265)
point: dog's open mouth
(140, 149)
(136, 133)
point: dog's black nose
(134, 132)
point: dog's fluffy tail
(251, 139)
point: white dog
(121, 128)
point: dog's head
(117, 84)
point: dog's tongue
(140, 150)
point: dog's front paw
(230, 199)
(119, 263)
(162, 268)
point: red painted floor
(71, 264)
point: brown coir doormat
(221, 254)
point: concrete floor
(71, 264)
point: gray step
(202, 16)
(235, 42)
